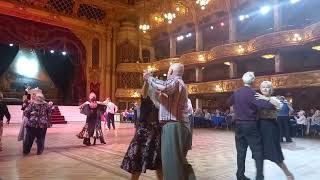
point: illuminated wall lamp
(227, 63)
(268, 56)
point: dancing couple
(163, 120)
(257, 127)
(93, 109)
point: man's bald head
(176, 69)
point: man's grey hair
(248, 78)
(178, 69)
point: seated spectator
(315, 123)
(301, 121)
(207, 117)
(125, 115)
(198, 113)
(217, 113)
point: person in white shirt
(110, 110)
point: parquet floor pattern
(213, 156)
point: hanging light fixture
(169, 15)
(202, 3)
(144, 27)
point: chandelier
(144, 27)
(168, 11)
(169, 16)
(203, 3)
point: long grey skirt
(22, 132)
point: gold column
(233, 70)
(103, 61)
(88, 45)
(277, 16)
(278, 63)
(173, 46)
(114, 60)
(199, 78)
(199, 38)
(232, 28)
(199, 74)
(108, 57)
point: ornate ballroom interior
(104, 46)
(110, 43)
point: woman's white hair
(177, 68)
(301, 113)
(248, 78)
(268, 84)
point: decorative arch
(37, 35)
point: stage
(213, 156)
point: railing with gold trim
(39, 13)
(265, 42)
(290, 80)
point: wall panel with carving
(127, 53)
(130, 80)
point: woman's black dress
(92, 127)
(270, 133)
(144, 150)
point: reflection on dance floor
(213, 156)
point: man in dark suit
(3, 112)
(245, 107)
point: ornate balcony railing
(262, 43)
(290, 80)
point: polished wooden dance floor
(213, 156)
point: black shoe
(289, 141)
(102, 141)
(243, 178)
(86, 142)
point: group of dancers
(164, 130)
(163, 133)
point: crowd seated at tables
(301, 123)
(217, 119)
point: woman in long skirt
(270, 131)
(144, 150)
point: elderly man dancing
(246, 108)
(173, 115)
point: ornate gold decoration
(258, 44)
(290, 80)
(41, 14)
(128, 93)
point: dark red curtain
(37, 35)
